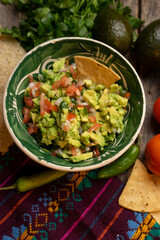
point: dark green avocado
(112, 28)
(147, 46)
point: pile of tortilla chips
(10, 54)
(142, 191)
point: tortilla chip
(95, 71)
(142, 191)
(156, 216)
(10, 54)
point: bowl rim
(66, 168)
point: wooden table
(147, 10)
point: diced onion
(92, 110)
(80, 130)
(81, 103)
(31, 85)
(81, 98)
(73, 65)
(59, 151)
(58, 101)
(114, 130)
(87, 149)
(79, 83)
(67, 123)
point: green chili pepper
(121, 164)
(26, 183)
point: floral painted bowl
(42, 57)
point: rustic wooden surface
(147, 10)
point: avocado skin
(147, 45)
(112, 28)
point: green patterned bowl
(42, 57)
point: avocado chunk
(81, 157)
(97, 138)
(87, 82)
(85, 138)
(46, 140)
(74, 142)
(116, 100)
(47, 122)
(52, 133)
(62, 144)
(83, 114)
(73, 133)
(91, 97)
(33, 116)
(99, 87)
(103, 99)
(58, 65)
(36, 102)
(45, 88)
(52, 93)
(115, 88)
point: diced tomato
(31, 79)
(54, 154)
(25, 114)
(51, 107)
(72, 71)
(71, 116)
(56, 85)
(42, 104)
(72, 91)
(96, 152)
(38, 92)
(48, 103)
(30, 93)
(37, 85)
(47, 109)
(80, 88)
(36, 88)
(92, 119)
(82, 150)
(94, 127)
(63, 81)
(29, 101)
(67, 62)
(127, 95)
(32, 129)
(79, 84)
(54, 108)
(74, 151)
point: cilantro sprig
(43, 20)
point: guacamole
(69, 118)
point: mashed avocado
(71, 119)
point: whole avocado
(147, 45)
(112, 28)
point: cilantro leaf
(43, 20)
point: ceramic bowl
(41, 58)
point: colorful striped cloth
(75, 207)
